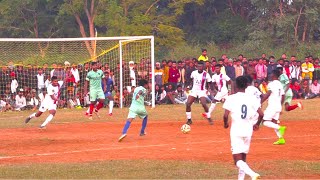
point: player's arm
(225, 118)
(260, 118)
(138, 94)
(265, 97)
(104, 84)
(282, 99)
(86, 83)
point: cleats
(300, 105)
(256, 176)
(143, 134)
(189, 122)
(122, 137)
(27, 120)
(96, 113)
(42, 128)
(281, 141)
(282, 130)
(204, 115)
(210, 121)
(110, 114)
(90, 117)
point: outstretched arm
(225, 118)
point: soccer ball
(185, 128)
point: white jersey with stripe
(200, 80)
(52, 90)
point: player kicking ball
(272, 113)
(200, 77)
(49, 103)
(137, 108)
(242, 107)
(284, 80)
(95, 78)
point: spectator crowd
(24, 87)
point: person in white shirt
(42, 95)
(75, 73)
(40, 78)
(220, 80)
(132, 76)
(34, 101)
(49, 103)
(21, 101)
(294, 71)
(253, 91)
(200, 78)
(14, 83)
(272, 113)
(242, 107)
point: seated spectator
(116, 99)
(263, 87)
(256, 84)
(20, 103)
(158, 92)
(42, 95)
(34, 102)
(170, 94)
(180, 95)
(162, 95)
(315, 89)
(4, 106)
(305, 89)
(296, 89)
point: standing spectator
(307, 69)
(40, 79)
(314, 89)
(189, 69)
(174, 75)
(158, 75)
(203, 56)
(230, 72)
(76, 75)
(286, 68)
(133, 79)
(14, 83)
(245, 67)
(261, 71)
(166, 68)
(238, 68)
(316, 72)
(270, 67)
(182, 72)
(251, 69)
(294, 70)
(21, 102)
(280, 63)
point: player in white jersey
(272, 113)
(200, 78)
(220, 80)
(49, 103)
(253, 91)
(242, 108)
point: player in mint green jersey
(137, 108)
(284, 80)
(94, 77)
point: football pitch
(74, 147)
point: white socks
(241, 175)
(110, 106)
(212, 106)
(245, 168)
(188, 115)
(208, 115)
(271, 125)
(32, 115)
(78, 102)
(49, 118)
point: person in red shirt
(174, 75)
(286, 68)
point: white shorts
(221, 95)
(47, 106)
(270, 115)
(240, 144)
(198, 93)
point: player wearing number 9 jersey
(272, 113)
(242, 107)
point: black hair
(218, 65)
(179, 61)
(221, 60)
(164, 60)
(142, 82)
(93, 63)
(54, 78)
(249, 78)
(242, 82)
(200, 63)
(204, 50)
(179, 86)
(279, 69)
(174, 61)
(276, 72)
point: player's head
(54, 81)
(280, 69)
(249, 78)
(275, 74)
(200, 66)
(106, 74)
(242, 83)
(217, 68)
(94, 66)
(144, 83)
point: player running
(272, 113)
(137, 108)
(200, 77)
(108, 92)
(95, 77)
(284, 80)
(220, 81)
(242, 107)
(49, 103)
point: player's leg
(269, 120)
(33, 115)
(131, 116)
(111, 103)
(49, 118)
(144, 117)
(203, 102)
(289, 107)
(217, 98)
(190, 100)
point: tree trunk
(231, 7)
(304, 34)
(281, 8)
(83, 34)
(297, 25)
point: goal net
(33, 61)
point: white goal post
(113, 53)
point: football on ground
(185, 128)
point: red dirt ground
(97, 141)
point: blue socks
(126, 127)
(144, 124)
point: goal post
(23, 57)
